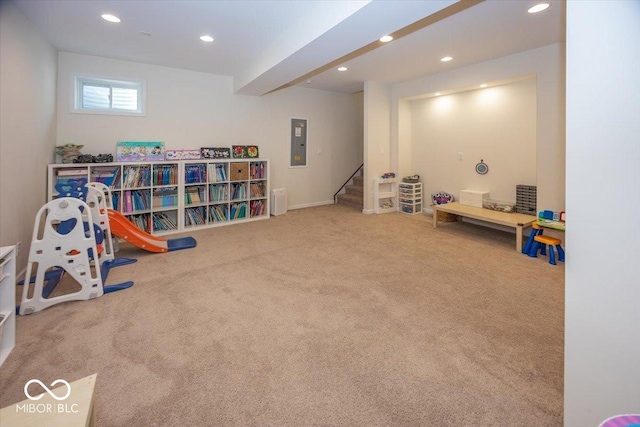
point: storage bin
(239, 171)
(473, 198)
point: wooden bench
(513, 220)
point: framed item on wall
(482, 168)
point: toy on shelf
(69, 152)
(388, 175)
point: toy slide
(125, 229)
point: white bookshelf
(176, 196)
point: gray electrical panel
(298, 142)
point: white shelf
(384, 195)
(214, 178)
(8, 300)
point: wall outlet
(460, 155)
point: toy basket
(447, 217)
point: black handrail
(335, 196)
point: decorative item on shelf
(88, 158)
(411, 178)
(252, 151)
(103, 158)
(215, 152)
(69, 152)
(182, 154)
(482, 168)
(139, 151)
(388, 175)
(239, 151)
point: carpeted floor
(320, 317)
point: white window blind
(108, 96)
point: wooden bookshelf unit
(176, 196)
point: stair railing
(335, 196)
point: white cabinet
(7, 300)
(410, 197)
(176, 196)
(384, 195)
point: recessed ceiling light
(206, 38)
(538, 8)
(437, 94)
(483, 85)
(446, 59)
(110, 18)
(342, 69)
(386, 39)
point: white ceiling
(265, 45)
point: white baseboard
(310, 205)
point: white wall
(27, 125)
(187, 109)
(547, 64)
(602, 327)
(376, 137)
(496, 125)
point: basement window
(107, 96)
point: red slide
(125, 229)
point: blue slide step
(107, 266)
(182, 243)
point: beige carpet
(320, 317)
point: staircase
(354, 193)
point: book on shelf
(195, 216)
(136, 176)
(128, 204)
(165, 174)
(109, 176)
(72, 172)
(195, 173)
(218, 213)
(165, 197)
(257, 170)
(163, 222)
